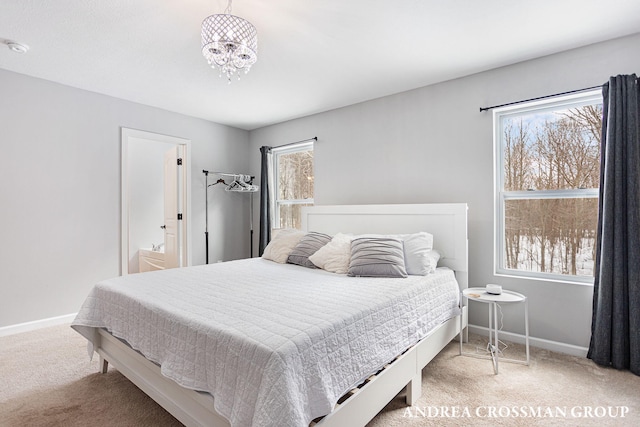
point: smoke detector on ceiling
(15, 46)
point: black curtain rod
(540, 97)
(315, 138)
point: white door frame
(127, 135)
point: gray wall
(433, 145)
(60, 191)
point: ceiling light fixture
(229, 43)
(15, 46)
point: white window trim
(277, 151)
(584, 98)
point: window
(293, 177)
(547, 179)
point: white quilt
(276, 345)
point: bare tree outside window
(294, 188)
(550, 175)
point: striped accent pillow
(306, 247)
(377, 257)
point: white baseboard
(560, 347)
(36, 324)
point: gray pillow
(377, 257)
(306, 247)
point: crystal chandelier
(229, 43)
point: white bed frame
(447, 223)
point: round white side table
(506, 297)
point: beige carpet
(46, 379)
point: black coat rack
(241, 183)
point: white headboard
(446, 221)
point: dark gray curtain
(265, 217)
(615, 326)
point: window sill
(553, 279)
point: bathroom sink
(150, 260)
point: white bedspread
(276, 345)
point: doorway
(155, 201)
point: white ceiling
(313, 55)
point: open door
(142, 197)
(174, 217)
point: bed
(290, 344)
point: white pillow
(417, 259)
(335, 255)
(281, 244)
(433, 256)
